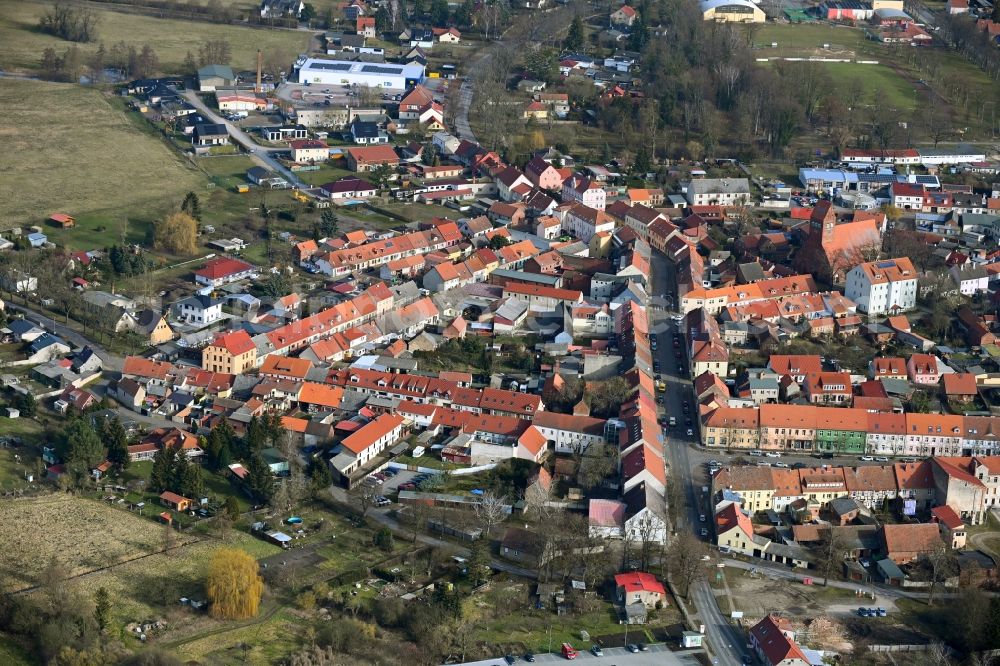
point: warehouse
(342, 72)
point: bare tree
(490, 511)
(684, 561)
(941, 563)
(536, 501)
(364, 496)
(828, 555)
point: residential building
(734, 532)
(639, 587)
(569, 433)
(924, 369)
(309, 151)
(583, 190)
(888, 286)
(367, 442)
(773, 640)
(231, 353)
(198, 310)
(908, 542)
(223, 270)
(718, 191)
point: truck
(568, 651)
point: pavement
(656, 655)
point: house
(952, 527)
(210, 134)
(76, 398)
(223, 270)
(281, 9)
(773, 640)
(309, 151)
(129, 392)
(46, 347)
(349, 189)
(447, 35)
(828, 388)
(638, 587)
(734, 531)
(960, 386)
(924, 369)
(35, 239)
(198, 310)
(175, 501)
(365, 26)
(367, 158)
(542, 174)
(624, 16)
(367, 442)
(585, 191)
(526, 547)
(238, 100)
(367, 133)
(718, 191)
(231, 353)
(606, 518)
(211, 77)
(907, 542)
(971, 279)
(24, 330)
(887, 286)
(584, 222)
(153, 327)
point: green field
(876, 80)
(807, 36)
(21, 44)
(83, 156)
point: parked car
(781, 464)
(597, 651)
(881, 612)
(772, 454)
(881, 459)
(530, 658)
(863, 612)
(632, 647)
(701, 518)
(704, 532)
(866, 458)
(690, 432)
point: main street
(725, 641)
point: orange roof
(542, 291)
(321, 394)
(947, 517)
(731, 517)
(532, 440)
(914, 476)
(797, 364)
(372, 432)
(960, 383)
(294, 424)
(284, 366)
(374, 154)
(911, 538)
(235, 342)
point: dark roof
(147, 320)
(45, 340)
(210, 129)
(21, 326)
(200, 300)
(364, 130)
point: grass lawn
(12, 654)
(270, 642)
(86, 157)
(323, 175)
(418, 212)
(807, 36)
(21, 44)
(879, 80)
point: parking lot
(657, 655)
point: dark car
(643, 647)
(529, 657)
(510, 659)
(632, 647)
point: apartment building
(887, 286)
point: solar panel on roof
(335, 66)
(885, 264)
(376, 69)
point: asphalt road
(725, 641)
(656, 655)
(112, 362)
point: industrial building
(343, 72)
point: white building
(199, 310)
(569, 433)
(879, 287)
(718, 191)
(584, 221)
(363, 445)
(348, 73)
(970, 279)
(586, 191)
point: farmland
(21, 43)
(87, 535)
(79, 167)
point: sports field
(68, 149)
(21, 43)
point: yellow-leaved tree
(177, 233)
(234, 584)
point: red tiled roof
(372, 432)
(236, 342)
(222, 267)
(639, 581)
(776, 646)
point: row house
(374, 254)
(715, 300)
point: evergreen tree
(320, 476)
(439, 13)
(259, 479)
(575, 36)
(191, 485)
(383, 19)
(639, 36)
(463, 17)
(84, 450)
(117, 440)
(232, 508)
(179, 472)
(329, 223)
(256, 437)
(642, 162)
(102, 608)
(163, 466)
(192, 206)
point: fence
(911, 648)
